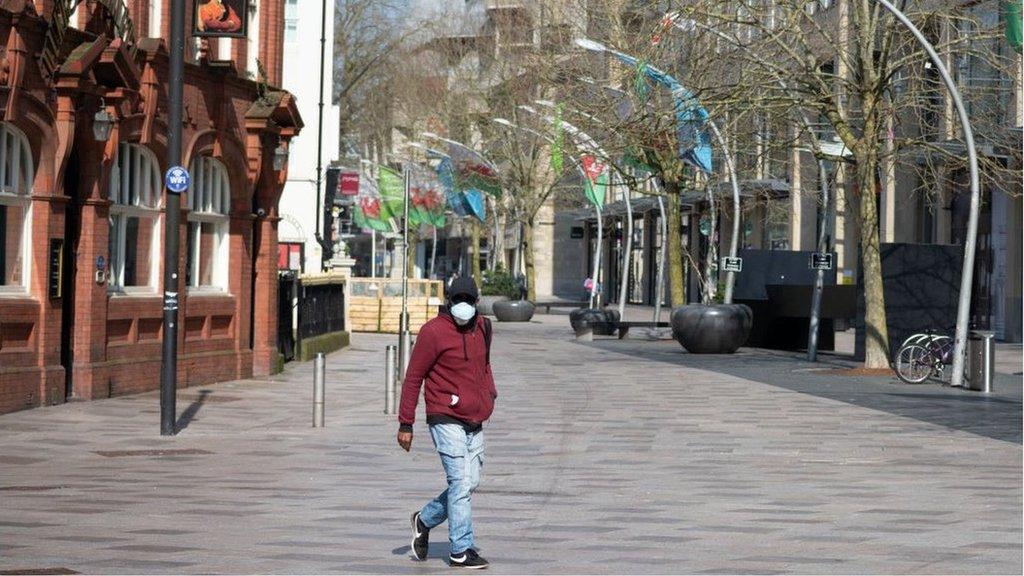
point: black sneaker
(468, 559)
(420, 537)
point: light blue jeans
(462, 455)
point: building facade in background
(298, 228)
(83, 125)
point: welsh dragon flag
(595, 185)
(427, 198)
(368, 207)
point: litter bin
(981, 357)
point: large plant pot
(602, 322)
(485, 305)
(713, 328)
(513, 310)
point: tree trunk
(528, 261)
(674, 244)
(474, 251)
(877, 334)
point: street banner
(367, 209)
(473, 171)
(426, 197)
(220, 19)
(349, 183)
(457, 199)
(1012, 15)
(391, 189)
(691, 118)
(595, 185)
(558, 142)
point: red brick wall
(116, 338)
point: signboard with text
(821, 261)
(732, 264)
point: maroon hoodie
(453, 361)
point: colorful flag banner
(595, 185)
(473, 171)
(391, 189)
(475, 202)
(367, 212)
(691, 118)
(1012, 14)
(426, 198)
(456, 199)
(557, 142)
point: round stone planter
(513, 310)
(602, 322)
(485, 305)
(713, 328)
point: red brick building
(81, 214)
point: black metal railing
(321, 309)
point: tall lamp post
(963, 310)
(970, 241)
(172, 207)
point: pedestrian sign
(821, 261)
(732, 264)
(177, 180)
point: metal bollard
(980, 361)
(389, 379)
(319, 376)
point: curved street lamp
(677, 89)
(583, 140)
(970, 241)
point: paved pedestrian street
(606, 457)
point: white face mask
(463, 312)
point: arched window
(16, 177)
(209, 203)
(134, 212)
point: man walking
(452, 357)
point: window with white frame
(209, 203)
(134, 214)
(16, 177)
(291, 21)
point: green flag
(1012, 13)
(557, 143)
(391, 187)
(595, 185)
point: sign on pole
(821, 261)
(220, 18)
(177, 179)
(732, 264)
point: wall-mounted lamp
(102, 123)
(280, 156)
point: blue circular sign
(177, 180)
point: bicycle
(922, 356)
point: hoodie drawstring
(465, 352)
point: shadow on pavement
(190, 413)
(996, 416)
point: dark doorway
(72, 235)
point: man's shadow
(440, 550)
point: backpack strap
(487, 338)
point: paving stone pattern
(600, 459)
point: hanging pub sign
(349, 183)
(220, 18)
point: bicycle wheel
(914, 364)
